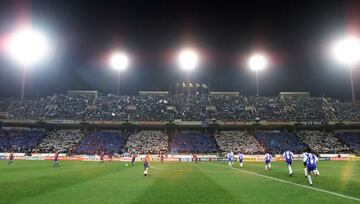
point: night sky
(295, 34)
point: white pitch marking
(295, 184)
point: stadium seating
(305, 109)
(193, 107)
(107, 141)
(346, 111)
(323, 142)
(144, 142)
(278, 142)
(61, 140)
(238, 141)
(193, 141)
(19, 140)
(352, 139)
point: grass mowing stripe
(23, 189)
(295, 184)
(185, 183)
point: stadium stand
(19, 140)
(193, 141)
(144, 142)
(352, 139)
(193, 107)
(61, 140)
(107, 141)
(238, 141)
(346, 111)
(278, 142)
(306, 108)
(323, 142)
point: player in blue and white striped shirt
(289, 156)
(267, 159)
(311, 161)
(241, 160)
(305, 163)
(230, 157)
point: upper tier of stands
(193, 107)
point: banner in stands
(170, 157)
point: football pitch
(175, 182)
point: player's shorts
(311, 167)
(133, 160)
(240, 160)
(305, 164)
(267, 161)
(288, 161)
(146, 165)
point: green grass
(87, 182)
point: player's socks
(317, 172)
(241, 165)
(305, 172)
(309, 179)
(266, 167)
(290, 170)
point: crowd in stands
(352, 139)
(323, 142)
(74, 141)
(306, 108)
(232, 108)
(60, 140)
(277, 142)
(143, 142)
(193, 141)
(110, 142)
(346, 111)
(192, 107)
(19, 139)
(238, 141)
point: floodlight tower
(27, 47)
(257, 63)
(346, 51)
(119, 61)
(188, 60)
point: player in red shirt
(102, 154)
(110, 157)
(56, 160)
(195, 158)
(162, 157)
(11, 159)
(133, 158)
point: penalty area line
(295, 184)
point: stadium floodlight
(188, 59)
(119, 61)
(347, 52)
(27, 47)
(257, 63)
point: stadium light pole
(27, 47)
(347, 52)
(119, 61)
(257, 63)
(188, 60)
